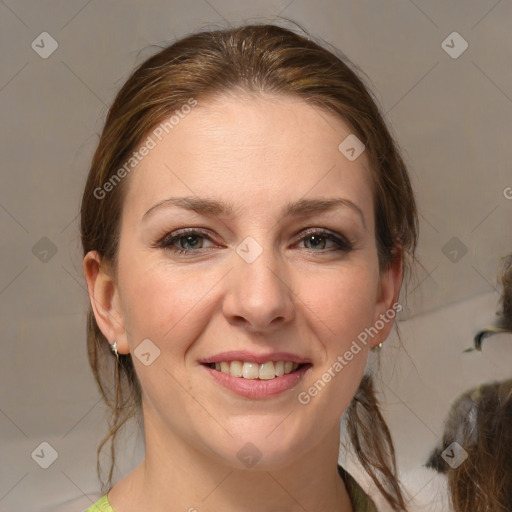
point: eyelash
(168, 241)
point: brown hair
(483, 482)
(480, 421)
(252, 58)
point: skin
(301, 295)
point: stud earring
(114, 349)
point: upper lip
(243, 355)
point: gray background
(450, 115)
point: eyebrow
(296, 209)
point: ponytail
(372, 443)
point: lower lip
(257, 388)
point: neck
(174, 473)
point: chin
(263, 449)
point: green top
(361, 502)
(102, 505)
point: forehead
(249, 147)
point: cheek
(343, 304)
(339, 311)
(158, 301)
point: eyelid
(339, 239)
(175, 235)
(341, 242)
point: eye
(185, 241)
(188, 241)
(318, 239)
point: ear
(104, 298)
(387, 305)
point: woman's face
(248, 236)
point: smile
(257, 380)
(252, 370)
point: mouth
(252, 370)
(256, 376)
(257, 381)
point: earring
(114, 349)
(378, 347)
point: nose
(259, 297)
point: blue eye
(189, 241)
(185, 242)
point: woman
(246, 225)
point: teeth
(236, 368)
(249, 370)
(267, 371)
